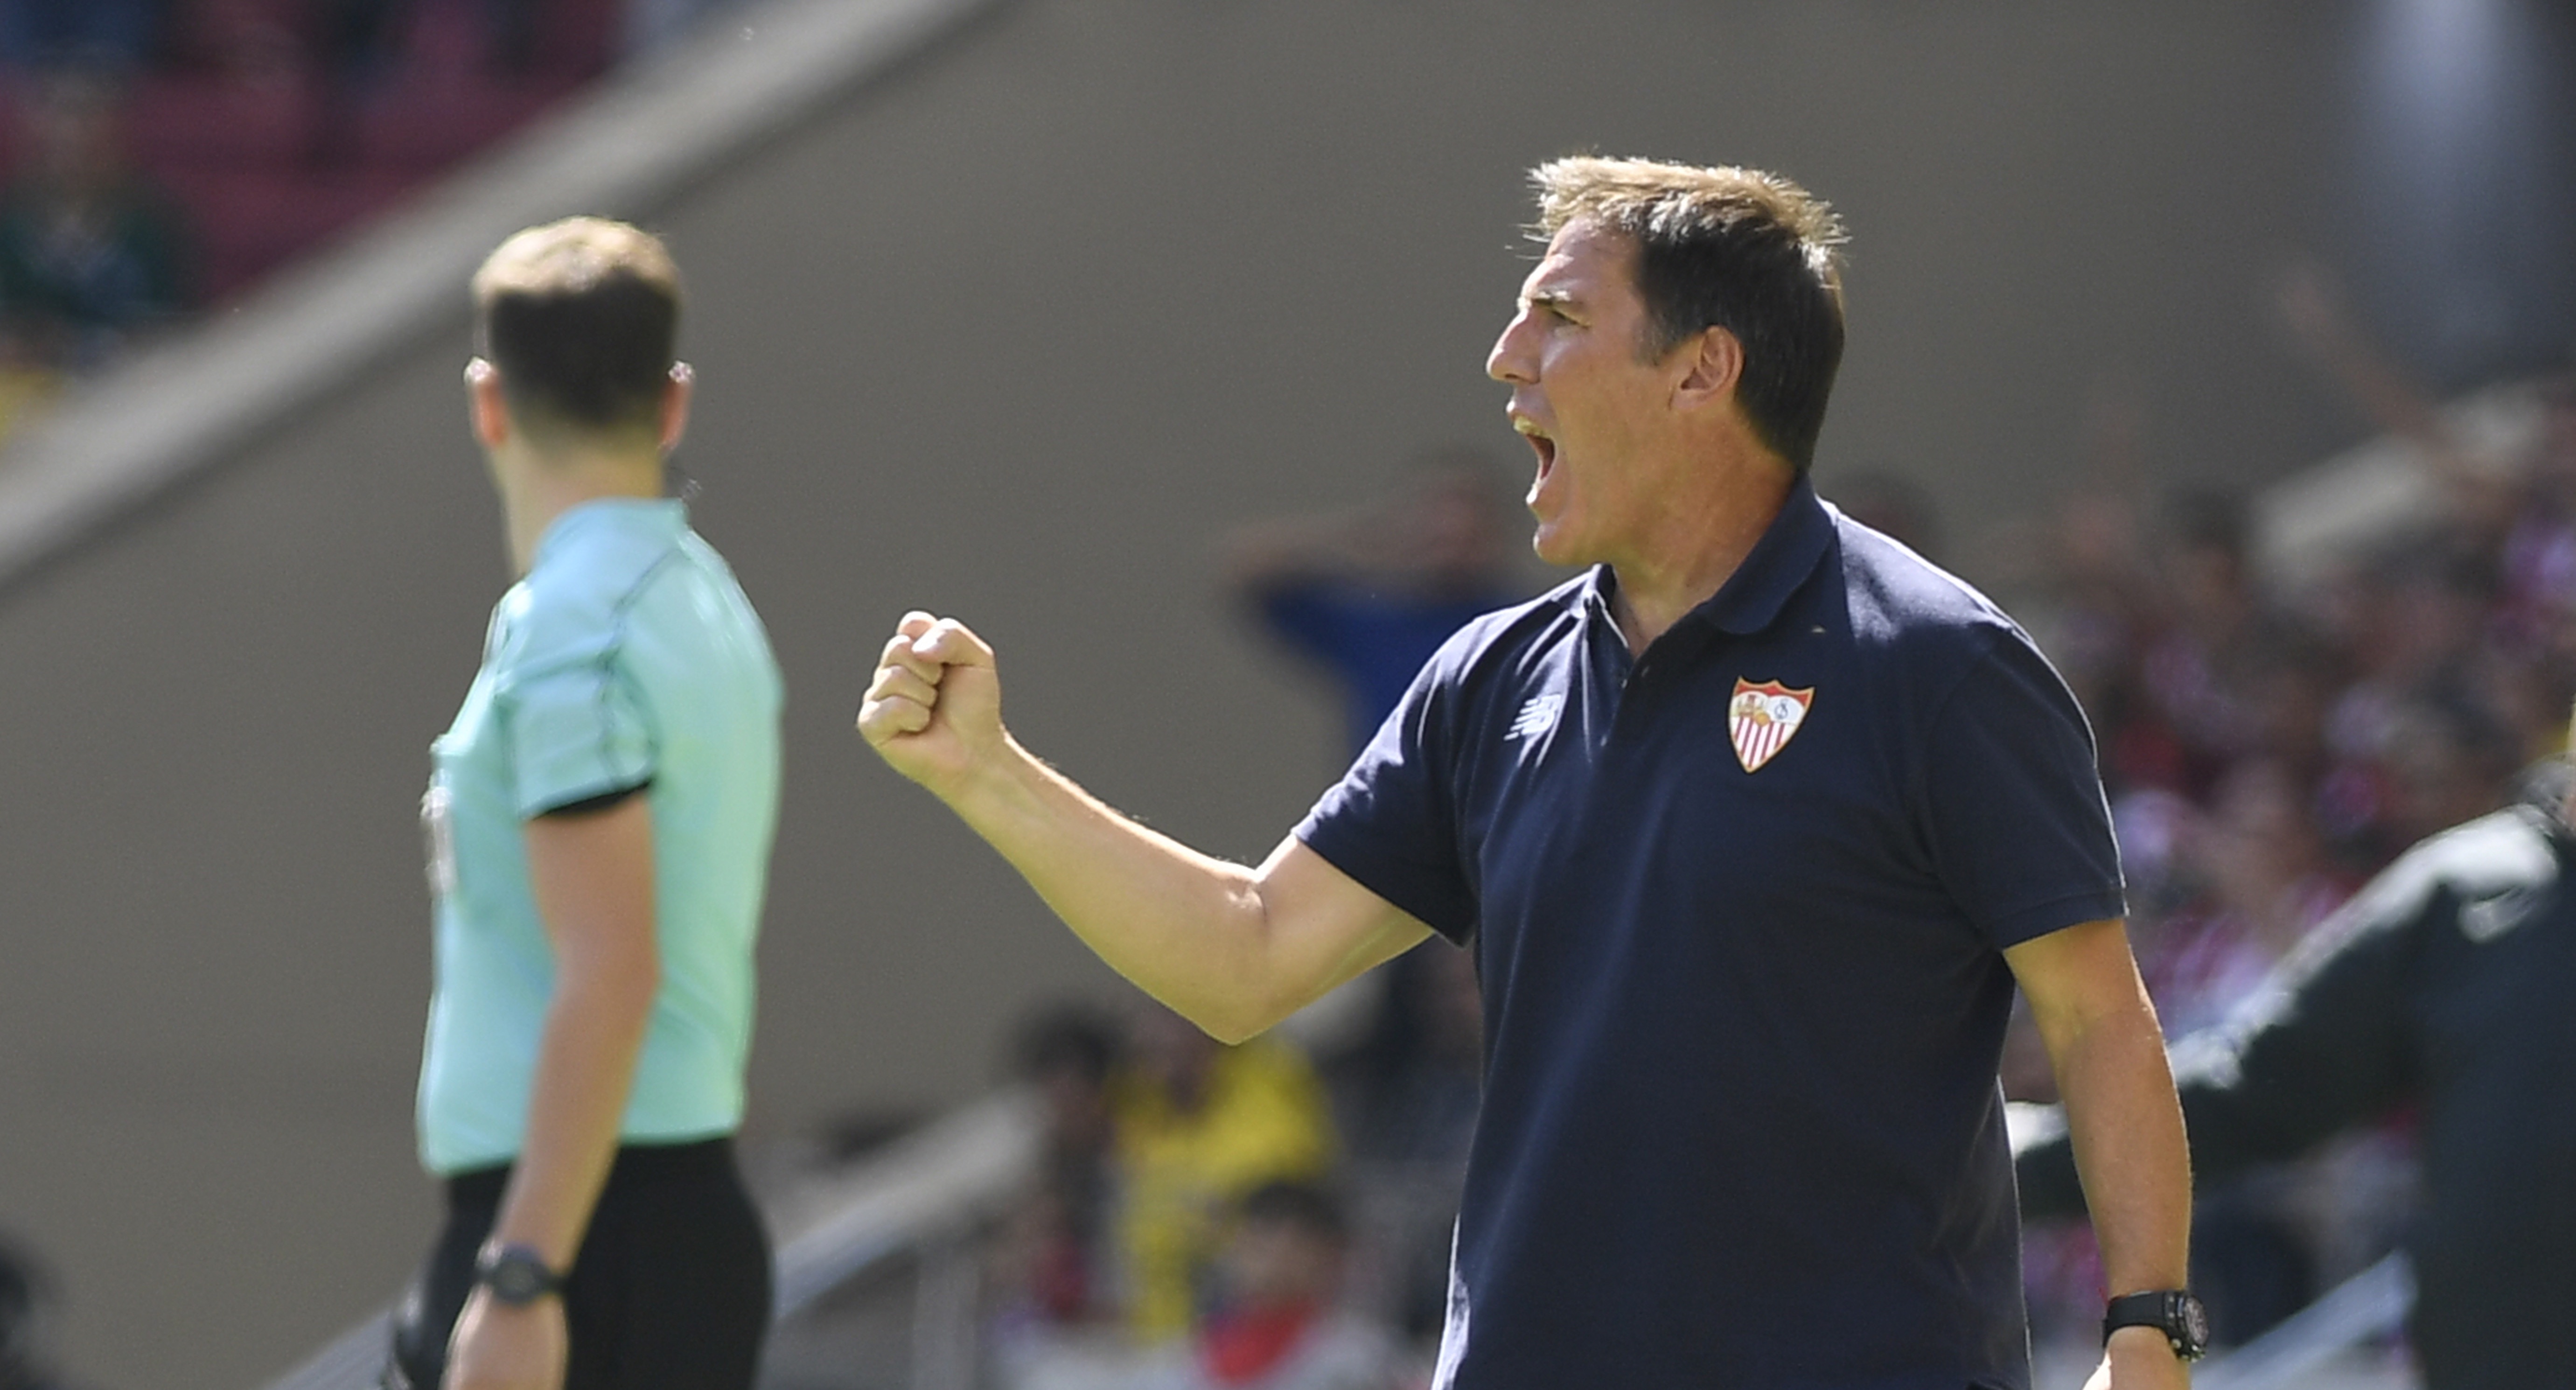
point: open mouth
(1540, 443)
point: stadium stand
(274, 143)
(214, 717)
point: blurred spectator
(1419, 1105)
(2442, 989)
(1368, 597)
(2538, 560)
(1411, 1103)
(1198, 1125)
(111, 36)
(92, 253)
(2254, 879)
(26, 1307)
(2448, 759)
(1057, 1322)
(1278, 1325)
(1056, 1270)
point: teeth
(1528, 427)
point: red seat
(207, 121)
(234, 128)
(250, 223)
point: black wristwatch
(516, 1275)
(2173, 1312)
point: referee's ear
(487, 407)
(677, 395)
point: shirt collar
(647, 516)
(1752, 597)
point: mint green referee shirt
(628, 656)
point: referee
(599, 821)
(1753, 829)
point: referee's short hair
(582, 319)
(1738, 249)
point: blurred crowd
(2276, 724)
(1209, 1216)
(161, 155)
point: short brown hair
(582, 318)
(1738, 249)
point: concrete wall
(1012, 335)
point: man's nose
(1507, 362)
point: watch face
(2191, 1321)
(516, 1277)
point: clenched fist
(934, 710)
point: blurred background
(2228, 345)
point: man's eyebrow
(1550, 297)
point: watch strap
(516, 1274)
(2174, 1312)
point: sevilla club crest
(1763, 718)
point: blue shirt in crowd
(1738, 906)
(1373, 641)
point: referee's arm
(1232, 949)
(592, 873)
(2109, 1056)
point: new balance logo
(1537, 716)
(2484, 919)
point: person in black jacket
(2447, 984)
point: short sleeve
(1390, 823)
(2011, 800)
(576, 732)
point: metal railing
(2362, 1309)
(926, 1195)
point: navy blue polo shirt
(1738, 907)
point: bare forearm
(1186, 927)
(2093, 1013)
(1230, 948)
(585, 1069)
(593, 880)
(2130, 1151)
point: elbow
(1233, 1023)
(1239, 1014)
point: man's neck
(536, 489)
(1713, 530)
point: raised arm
(2109, 1056)
(1233, 949)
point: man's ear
(487, 409)
(1713, 363)
(677, 394)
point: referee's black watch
(516, 1275)
(2173, 1312)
